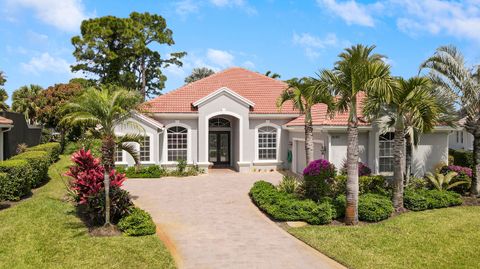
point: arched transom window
(218, 122)
(177, 143)
(267, 143)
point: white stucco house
(461, 139)
(230, 119)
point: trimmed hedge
(462, 157)
(421, 199)
(39, 162)
(367, 184)
(18, 181)
(287, 207)
(152, 171)
(3, 180)
(371, 207)
(53, 149)
(137, 223)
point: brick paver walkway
(208, 221)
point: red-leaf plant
(87, 176)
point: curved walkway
(210, 222)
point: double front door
(219, 147)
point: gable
(224, 91)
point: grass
(442, 238)
(44, 232)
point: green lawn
(442, 238)
(44, 232)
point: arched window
(177, 143)
(267, 143)
(219, 122)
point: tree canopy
(120, 51)
(199, 73)
(3, 92)
(23, 101)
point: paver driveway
(211, 223)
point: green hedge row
(137, 223)
(27, 170)
(422, 199)
(371, 207)
(287, 207)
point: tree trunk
(308, 136)
(351, 211)
(398, 155)
(108, 153)
(144, 80)
(475, 187)
(408, 158)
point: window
(267, 143)
(144, 152)
(177, 143)
(219, 122)
(386, 152)
(461, 137)
(458, 136)
(118, 155)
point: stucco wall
(338, 148)
(432, 150)
(467, 140)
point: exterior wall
(297, 145)
(192, 127)
(20, 133)
(338, 148)
(432, 150)
(455, 141)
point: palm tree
(449, 73)
(103, 110)
(3, 78)
(304, 95)
(3, 99)
(23, 101)
(199, 73)
(270, 74)
(413, 109)
(357, 70)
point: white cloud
(242, 4)
(312, 44)
(248, 64)
(220, 57)
(185, 7)
(65, 15)
(351, 11)
(46, 63)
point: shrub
(39, 162)
(463, 174)
(318, 176)
(444, 182)
(422, 199)
(417, 183)
(371, 207)
(21, 148)
(152, 171)
(181, 166)
(119, 205)
(94, 145)
(286, 207)
(462, 158)
(367, 184)
(289, 184)
(363, 169)
(87, 176)
(17, 183)
(53, 149)
(137, 223)
(3, 181)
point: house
(460, 138)
(14, 131)
(230, 119)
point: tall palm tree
(102, 111)
(271, 74)
(23, 101)
(450, 74)
(414, 108)
(304, 95)
(359, 69)
(199, 73)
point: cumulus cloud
(186, 7)
(220, 57)
(242, 4)
(351, 11)
(313, 44)
(65, 15)
(46, 63)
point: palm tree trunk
(308, 136)
(408, 158)
(398, 155)
(108, 151)
(351, 211)
(475, 187)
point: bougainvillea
(363, 169)
(88, 174)
(459, 169)
(463, 174)
(319, 167)
(318, 178)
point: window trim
(149, 149)
(279, 132)
(380, 156)
(165, 160)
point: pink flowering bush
(87, 176)
(363, 169)
(463, 174)
(318, 179)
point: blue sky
(292, 38)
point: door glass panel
(223, 148)
(212, 148)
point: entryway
(219, 148)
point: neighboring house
(5, 126)
(231, 119)
(461, 139)
(18, 132)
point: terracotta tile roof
(5, 120)
(260, 89)
(320, 117)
